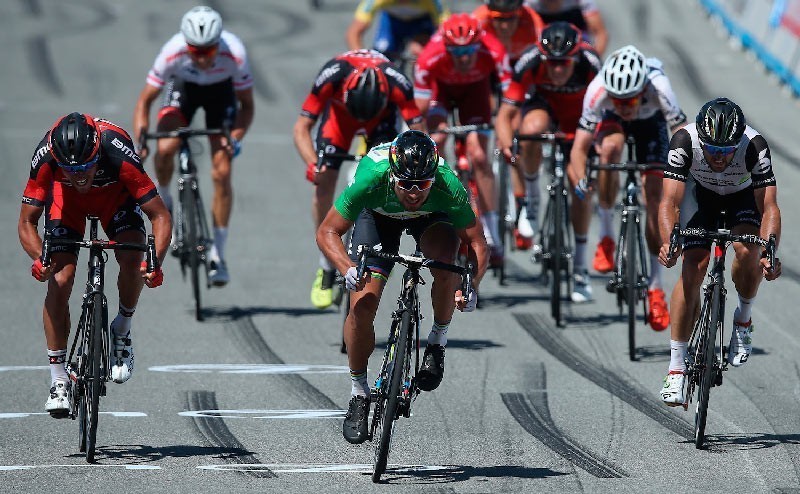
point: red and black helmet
(560, 40)
(74, 139)
(504, 5)
(460, 30)
(366, 92)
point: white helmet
(201, 26)
(625, 72)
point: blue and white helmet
(201, 26)
(625, 72)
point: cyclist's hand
(154, 279)
(351, 282)
(40, 271)
(232, 146)
(511, 158)
(143, 153)
(311, 172)
(663, 256)
(770, 272)
(468, 303)
(582, 188)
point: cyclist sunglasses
(79, 168)
(202, 51)
(626, 102)
(559, 61)
(717, 152)
(420, 185)
(460, 51)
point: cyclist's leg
(611, 139)
(536, 119)
(177, 111)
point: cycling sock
(163, 191)
(324, 263)
(655, 273)
(121, 325)
(489, 220)
(220, 237)
(745, 309)
(677, 356)
(580, 253)
(606, 218)
(438, 334)
(532, 195)
(57, 370)
(359, 383)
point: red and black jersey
(119, 174)
(328, 88)
(530, 77)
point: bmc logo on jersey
(125, 149)
(327, 74)
(398, 77)
(40, 153)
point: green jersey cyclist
(400, 186)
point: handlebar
(551, 137)
(463, 129)
(631, 167)
(181, 133)
(148, 248)
(322, 154)
(722, 236)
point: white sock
(532, 196)
(121, 325)
(438, 334)
(490, 227)
(580, 253)
(359, 385)
(606, 218)
(745, 309)
(57, 370)
(324, 263)
(163, 191)
(655, 273)
(220, 237)
(677, 355)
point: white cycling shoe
(59, 403)
(121, 358)
(672, 392)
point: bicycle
(192, 239)
(705, 360)
(630, 278)
(555, 244)
(395, 387)
(342, 299)
(88, 366)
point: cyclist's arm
(329, 239)
(141, 114)
(424, 105)
(576, 170)
(767, 203)
(668, 214)
(472, 235)
(244, 118)
(355, 33)
(302, 139)
(504, 128)
(28, 230)
(597, 28)
(159, 217)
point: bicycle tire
(190, 224)
(502, 213)
(392, 402)
(79, 394)
(93, 388)
(631, 282)
(346, 302)
(706, 378)
(557, 255)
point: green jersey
(372, 189)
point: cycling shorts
(563, 116)
(472, 100)
(65, 217)
(392, 34)
(218, 100)
(652, 138)
(373, 229)
(739, 207)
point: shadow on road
(234, 313)
(461, 473)
(139, 453)
(458, 343)
(729, 442)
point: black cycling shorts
(739, 207)
(217, 100)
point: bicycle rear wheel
(631, 281)
(393, 376)
(708, 368)
(95, 378)
(557, 252)
(190, 225)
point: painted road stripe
(19, 415)
(320, 467)
(254, 368)
(78, 465)
(265, 414)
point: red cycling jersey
(566, 101)
(327, 97)
(435, 66)
(120, 177)
(526, 35)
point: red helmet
(460, 30)
(366, 92)
(75, 140)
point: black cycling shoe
(354, 428)
(431, 371)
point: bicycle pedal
(611, 286)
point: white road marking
(18, 415)
(79, 465)
(317, 467)
(266, 414)
(254, 368)
(11, 368)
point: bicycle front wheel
(190, 222)
(96, 376)
(708, 369)
(631, 282)
(557, 253)
(394, 377)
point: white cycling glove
(472, 301)
(351, 278)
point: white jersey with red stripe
(230, 63)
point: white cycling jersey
(657, 96)
(230, 63)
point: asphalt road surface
(252, 399)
